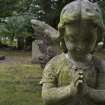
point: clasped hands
(78, 84)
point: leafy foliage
(16, 26)
(18, 14)
(102, 5)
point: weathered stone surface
(36, 53)
(42, 53)
(44, 29)
(50, 46)
(76, 77)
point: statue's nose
(80, 47)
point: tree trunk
(20, 43)
(28, 43)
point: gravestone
(36, 53)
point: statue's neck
(86, 59)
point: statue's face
(80, 37)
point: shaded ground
(19, 80)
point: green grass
(19, 80)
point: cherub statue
(76, 77)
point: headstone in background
(36, 53)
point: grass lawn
(19, 80)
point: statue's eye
(89, 39)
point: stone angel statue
(75, 77)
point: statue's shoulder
(56, 63)
(57, 60)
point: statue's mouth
(81, 51)
(78, 49)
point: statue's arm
(52, 93)
(96, 95)
(56, 95)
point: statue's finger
(79, 82)
(78, 78)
